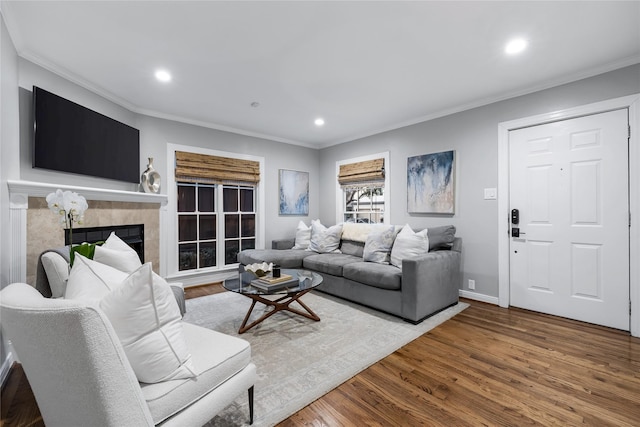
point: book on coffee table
(273, 283)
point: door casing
(631, 102)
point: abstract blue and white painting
(430, 186)
(294, 192)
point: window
(216, 209)
(362, 189)
(211, 234)
(364, 204)
(239, 221)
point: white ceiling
(365, 67)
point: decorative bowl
(259, 269)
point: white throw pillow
(378, 246)
(408, 244)
(323, 239)
(146, 318)
(90, 281)
(57, 270)
(303, 236)
(117, 254)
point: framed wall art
(430, 183)
(294, 192)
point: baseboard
(6, 368)
(479, 297)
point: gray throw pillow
(441, 237)
(378, 246)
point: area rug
(299, 360)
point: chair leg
(251, 405)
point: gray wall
(474, 136)
(155, 133)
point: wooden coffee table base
(280, 304)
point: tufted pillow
(303, 236)
(146, 319)
(408, 244)
(117, 254)
(325, 240)
(378, 246)
(90, 280)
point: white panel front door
(569, 181)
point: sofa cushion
(408, 244)
(329, 263)
(325, 240)
(90, 281)
(382, 276)
(143, 312)
(303, 236)
(285, 258)
(378, 245)
(116, 253)
(441, 237)
(216, 357)
(351, 247)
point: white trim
(478, 297)
(190, 279)
(631, 102)
(169, 235)
(42, 189)
(387, 174)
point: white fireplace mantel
(19, 193)
(42, 189)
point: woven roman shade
(369, 172)
(202, 168)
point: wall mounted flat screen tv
(71, 138)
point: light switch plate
(490, 193)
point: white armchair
(80, 374)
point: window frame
(340, 196)
(169, 217)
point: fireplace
(133, 235)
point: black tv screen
(71, 138)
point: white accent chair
(80, 375)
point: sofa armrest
(430, 283)
(178, 292)
(283, 243)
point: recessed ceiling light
(515, 46)
(163, 76)
(319, 121)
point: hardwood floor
(493, 366)
(486, 366)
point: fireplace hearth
(133, 235)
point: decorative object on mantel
(150, 179)
(430, 183)
(70, 207)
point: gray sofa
(425, 285)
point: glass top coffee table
(303, 282)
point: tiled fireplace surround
(35, 228)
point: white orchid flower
(70, 206)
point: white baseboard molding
(6, 368)
(479, 297)
(197, 279)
